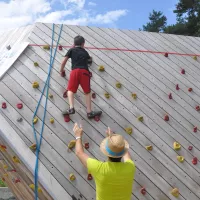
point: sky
(124, 14)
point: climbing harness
(38, 144)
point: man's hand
(78, 131)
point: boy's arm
(127, 156)
(63, 64)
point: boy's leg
(88, 102)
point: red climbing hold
(170, 96)
(182, 71)
(177, 87)
(90, 74)
(93, 95)
(87, 145)
(194, 161)
(96, 118)
(3, 179)
(19, 105)
(67, 118)
(166, 55)
(190, 89)
(63, 73)
(195, 129)
(13, 170)
(198, 108)
(89, 178)
(17, 180)
(166, 118)
(190, 148)
(3, 146)
(60, 48)
(65, 94)
(143, 191)
(4, 106)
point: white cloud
(16, 13)
(90, 3)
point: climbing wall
(148, 87)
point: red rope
(126, 50)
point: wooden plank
(27, 157)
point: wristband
(78, 138)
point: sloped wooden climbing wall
(151, 76)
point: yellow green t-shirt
(114, 180)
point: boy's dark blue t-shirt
(79, 58)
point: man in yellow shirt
(114, 179)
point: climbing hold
(32, 186)
(190, 89)
(182, 71)
(97, 118)
(19, 119)
(143, 191)
(93, 95)
(19, 105)
(90, 74)
(51, 96)
(63, 73)
(101, 68)
(198, 108)
(170, 96)
(195, 129)
(67, 118)
(87, 145)
(5, 167)
(60, 47)
(195, 57)
(15, 159)
(118, 85)
(12, 170)
(72, 144)
(35, 120)
(46, 47)
(72, 177)
(4, 106)
(177, 87)
(35, 84)
(134, 96)
(89, 178)
(177, 146)
(194, 161)
(17, 180)
(166, 55)
(107, 95)
(65, 94)
(190, 148)
(180, 158)
(52, 120)
(141, 119)
(175, 192)
(129, 130)
(2, 148)
(149, 148)
(33, 147)
(166, 118)
(8, 47)
(6, 175)
(36, 64)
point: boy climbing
(80, 75)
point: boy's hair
(115, 159)
(79, 40)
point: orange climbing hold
(129, 130)
(143, 191)
(72, 177)
(33, 147)
(4, 106)
(177, 87)
(190, 90)
(149, 148)
(19, 105)
(180, 158)
(134, 96)
(175, 192)
(177, 146)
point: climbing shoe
(93, 114)
(69, 111)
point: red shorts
(79, 77)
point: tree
(157, 22)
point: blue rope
(52, 58)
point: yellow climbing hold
(35, 84)
(51, 96)
(6, 175)
(149, 148)
(129, 130)
(33, 147)
(180, 158)
(134, 96)
(51, 120)
(32, 186)
(36, 64)
(175, 192)
(35, 120)
(141, 119)
(5, 167)
(72, 177)
(101, 68)
(72, 144)
(118, 85)
(107, 95)
(195, 57)
(15, 159)
(46, 47)
(177, 146)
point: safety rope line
(126, 50)
(38, 145)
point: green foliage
(2, 184)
